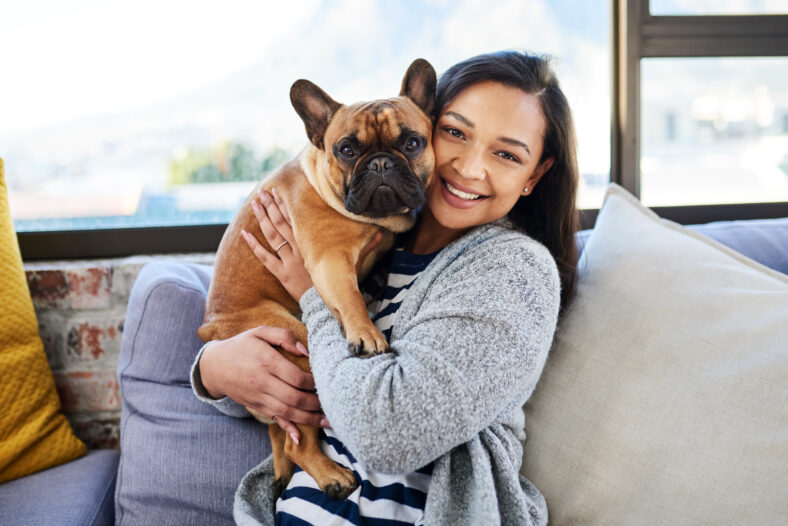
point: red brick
(73, 289)
(90, 288)
(48, 288)
(88, 341)
(85, 391)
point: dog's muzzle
(384, 185)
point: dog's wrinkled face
(378, 154)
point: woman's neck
(429, 236)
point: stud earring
(525, 190)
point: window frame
(635, 34)
(638, 34)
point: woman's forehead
(505, 109)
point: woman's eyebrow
(515, 142)
(460, 118)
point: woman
(495, 257)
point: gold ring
(283, 243)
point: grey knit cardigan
(468, 345)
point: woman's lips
(456, 201)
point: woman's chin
(452, 218)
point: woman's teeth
(460, 193)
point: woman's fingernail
(264, 197)
(300, 346)
(294, 438)
(276, 196)
(324, 423)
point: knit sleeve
(475, 345)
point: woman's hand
(286, 263)
(288, 267)
(249, 370)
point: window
(717, 7)
(140, 128)
(714, 130)
(700, 104)
(161, 114)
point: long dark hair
(549, 214)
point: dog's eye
(412, 144)
(346, 150)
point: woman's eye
(412, 144)
(508, 156)
(454, 132)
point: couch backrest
(764, 240)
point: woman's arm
(476, 346)
(246, 371)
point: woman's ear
(537, 174)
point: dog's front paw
(342, 484)
(367, 342)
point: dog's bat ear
(419, 85)
(315, 108)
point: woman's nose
(470, 164)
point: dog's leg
(283, 466)
(333, 271)
(334, 480)
(340, 292)
(338, 286)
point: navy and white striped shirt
(381, 499)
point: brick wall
(81, 306)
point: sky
(69, 59)
(80, 57)
(85, 78)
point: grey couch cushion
(181, 459)
(78, 493)
(764, 240)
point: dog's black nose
(380, 164)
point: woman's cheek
(444, 150)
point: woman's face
(487, 142)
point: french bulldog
(364, 170)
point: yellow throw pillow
(34, 435)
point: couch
(173, 446)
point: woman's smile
(459, 196)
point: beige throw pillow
(665, 397)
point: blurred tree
(226, 162)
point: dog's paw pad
(359, 350)
(339, 491)
(356, 349)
